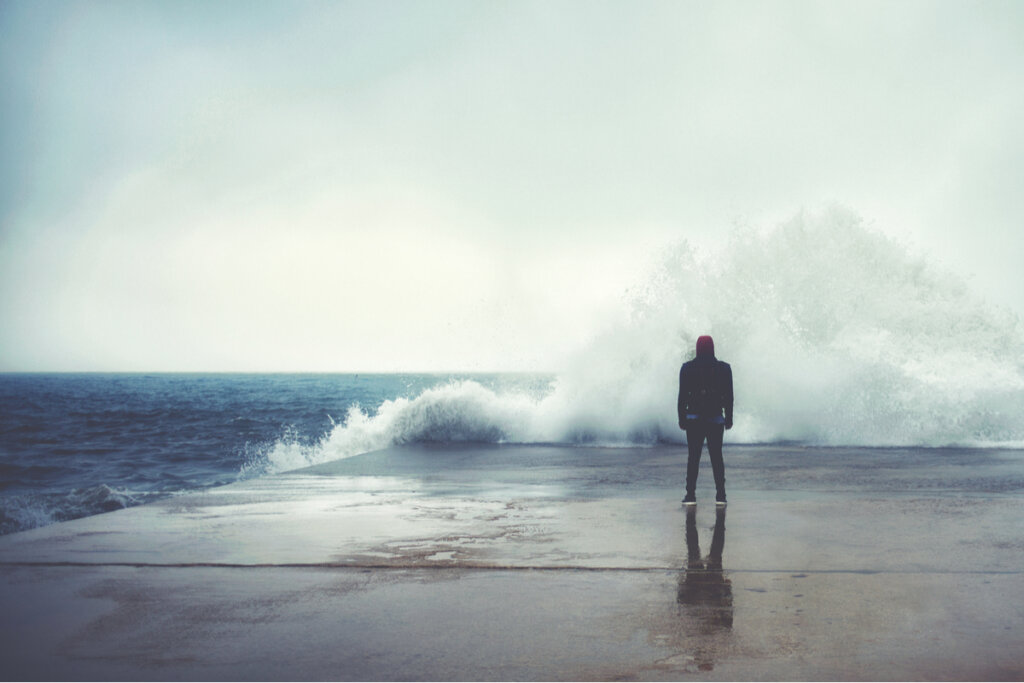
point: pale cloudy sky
(366, 186)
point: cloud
(451, 185)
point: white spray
(836, 335)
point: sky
(465, 186)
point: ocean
(837, 335)
(73, 445)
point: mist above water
(837, 336)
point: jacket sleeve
(727, 398)
(681, 403)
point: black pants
(696, 433)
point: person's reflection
(704, 592)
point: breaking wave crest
(837, 336)
(28, 511)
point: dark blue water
(73, 445)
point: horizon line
(277, 372)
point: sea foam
(837, 335)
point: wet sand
(475, 562)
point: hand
(682, 424)
(728, 424)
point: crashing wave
(837, 336)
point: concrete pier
(483, 562)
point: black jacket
(705, 389)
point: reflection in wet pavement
(704, 593)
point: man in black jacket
(705, 411)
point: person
(705, 412)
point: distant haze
(398, 186)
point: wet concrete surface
(540, 563)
